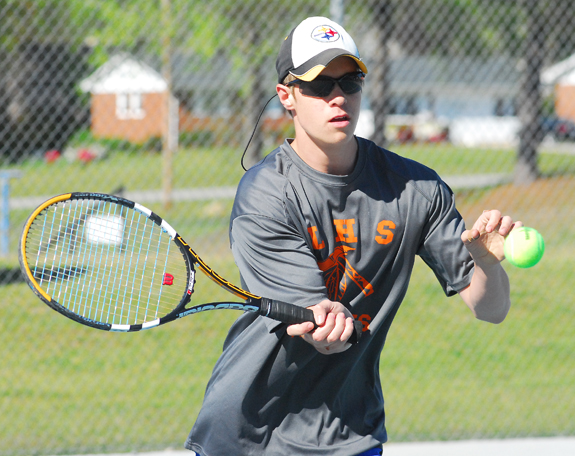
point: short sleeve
(275, 261)
(441, 247)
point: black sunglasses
(322, 86)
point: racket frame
(278, 310)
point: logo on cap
(325, 34)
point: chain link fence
(155, 100)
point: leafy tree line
(81, 35)
(530, 31)
(77, 36)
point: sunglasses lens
(323, 85)
(351, 85)
(318, 87)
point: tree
(256, 41)
(383, 26)
(525, 31)
(529, 102)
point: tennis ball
(524, 247)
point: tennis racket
(112, 264)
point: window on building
(129, 106)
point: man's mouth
(344, 118)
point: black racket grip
(292, 314)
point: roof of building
(562, 72)
(498, 76)
(124, 73)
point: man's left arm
(488, 294)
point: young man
(333, 222)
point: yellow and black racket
(113, 264)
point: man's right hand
(334, 327)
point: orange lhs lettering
(312, 230)
(384, 228)
(344, 230)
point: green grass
(447, 376)
(449, 160)
(200, 167)
(205, 167)
(69, 389)
(134, 170)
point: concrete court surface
(550, 446)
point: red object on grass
(86, 155)
(52, 155)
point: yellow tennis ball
(524, 247)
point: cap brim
(313, 67)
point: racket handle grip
(292, 314)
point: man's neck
(336, 159)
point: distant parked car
(558, 129)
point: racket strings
(97, 258)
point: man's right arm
(334, 327)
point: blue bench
(5, 176)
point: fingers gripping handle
(292, 314)
(357, 332)
(286, 313)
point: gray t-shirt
(301, 236)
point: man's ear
(285, 96)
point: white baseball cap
(311, 46)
